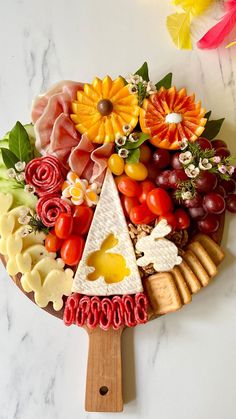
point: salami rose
(45, 174)
(49, 207)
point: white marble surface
(183, 365)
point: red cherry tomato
(63, 226)
(128, 203)
(141, 214)
(159, 201)
(170, 218)
(146, 186)
(72, 250)
(53, 243)
(82, 219)
(128, 187)
(182, 218)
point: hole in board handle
(103, 390)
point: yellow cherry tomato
(145, 153)
(116, 164)
(136, 171)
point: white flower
(230, 170)
(25, 219)
(184, 144)
(192, 171)
(11, 173)
(20, 177)
(133, 138)
(222, 168)
(151, 88)
(25, 231)
(120, 140)
(185, 158)
(126, 128)
(216, 159)
(29, 188)
(186, 195)
(133, 88)
(204, 164)
(123, 153)
(20, 166)
(134, 79)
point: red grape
(197, 213)
(214, 203)
(228, 185)
(153, 171)
(161, 158)
(220, 190)
(231, 203)
(177, 176)
(233, 176)
(162, 179)
(210, 224)
(204, 143)
(182, 218)
(194, 202)
(175, 163)
(206, 181)
(218, 144)
(222, 152)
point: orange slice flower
(170, 116)
(103, 108)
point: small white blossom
(20, 166)
(134, 79)
(11, 173)
(95, 187)
(192, 171)
(185, 158)
(216, 159)
(151, 88)
(20, 177)
(222, 168)
(184, 144)
(120, 140)
(204, 164)
(230, 170)
(123, 153)
(133, 138)
(126, 128)
(25, 231)
(186, 195)
(25, 219)
(29, 188)
(133, 89)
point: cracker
(181, 285)
(212, 248)
(163, 293)
(197, 267)
(203, 257)
(190, 277)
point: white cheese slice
(108, 219)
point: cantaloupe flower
(79, 191)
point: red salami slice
(50, 207)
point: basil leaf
(9, 158)
(207, 115)
(133, 156)
(143, 71)
(19, 143)
(165, 82)
(212, 128)
(143, 137)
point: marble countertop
(183, 365)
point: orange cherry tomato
(128, 187)
(145, 153)
(128, 203)
(72, 250)
(136, 171)
(159, 201)
(141, 214)
(146, 186)
(53, 243)
(170, 218)
(82, 219)
(63, 226)
(182, 219)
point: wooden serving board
(104, 367)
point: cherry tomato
(141, 214)
(82, 219)
(145, 153)
(128, 203)
(116, 164)
(136, 171)
(63, 226)
(159, 201)
(72, 250)
(182, 218)
(146, 186)
(128, 187)
(53, 243)
(170, 218)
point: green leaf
(9, 158)
(133, 156)
(131, 146)
(19, 143)
(143, 71)
(212, 128)
(207, 115)
(165, 82)
(124, 80)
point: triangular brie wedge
(108, 220)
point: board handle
(104, 371)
